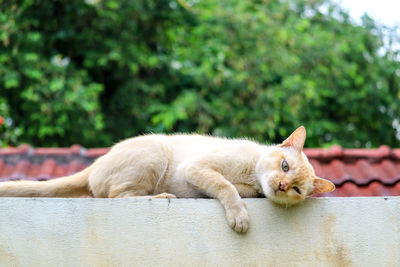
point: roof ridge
(335, 152)
(323, 154)
(26, 149)
(393, 182)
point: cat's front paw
(238, 218)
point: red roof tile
(96, 152)
(355, 172)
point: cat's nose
(283, 186)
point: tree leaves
(93, 72)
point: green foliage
(96, 71)
(48, 98)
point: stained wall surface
(194, 232)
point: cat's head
(285, 174)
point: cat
(191, 166)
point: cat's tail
(76, 185)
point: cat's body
(167, 159)
(190, 166)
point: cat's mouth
(280, 197)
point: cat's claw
(238, 219)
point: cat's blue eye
(285, 166)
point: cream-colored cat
(191, 166)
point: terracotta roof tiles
(355, 172)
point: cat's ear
(296, 139)
(322, 185)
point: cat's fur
(190, 166)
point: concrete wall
(190, 232)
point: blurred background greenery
(96, 71)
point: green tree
(95, 71)
(47, 98)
